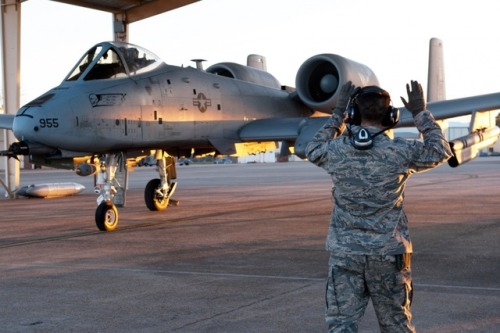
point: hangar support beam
(120, 27)
(11, 68)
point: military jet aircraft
(120, 102)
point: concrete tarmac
(243, 252)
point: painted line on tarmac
(236, 275)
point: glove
(416, 102)
(345, 95)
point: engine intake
(320, 77)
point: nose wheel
(106, 216)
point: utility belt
(403, 261)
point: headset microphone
(362, 140)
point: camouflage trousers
(354, 279)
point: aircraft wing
(273, 129)
(456, 108)
(6, 121)
(301, 130)
(298, 130)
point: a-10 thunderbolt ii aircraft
(120, 102)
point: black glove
(416, 101)
(345, 95)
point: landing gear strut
(106, 214)
(158, 191)
(112, 187)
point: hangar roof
(133, 10)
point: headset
(391, 116)
(363, 140)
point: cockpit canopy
(112, 60)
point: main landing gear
(112, 182)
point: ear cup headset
(363, 140)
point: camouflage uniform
(368, 226)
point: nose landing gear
(106, 216)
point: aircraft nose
(28, 125)
(23, 126)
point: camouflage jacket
(368, 216)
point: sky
(389, 36)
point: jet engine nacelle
(320, 78)
(467, 148)
(244, 73)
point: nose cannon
(24, 148)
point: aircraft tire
(106, 216)
(153, 201)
